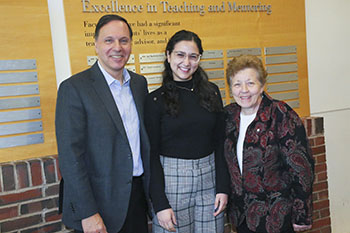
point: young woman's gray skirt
(190, 189)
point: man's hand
(167, 220)
(93, 224)
(220, 203)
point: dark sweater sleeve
(153, 125)
(222, 174)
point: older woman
(268, 156)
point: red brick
(31, 208)
(319, 141)
(17, 197)
(322, 176)
(321, 223)
(10, 212)
(323, 195)
(311, 142)
(320, 158)
(52, 216)
(55, 227)
(314, 196)
(308, 127)
(326, 230)
(35, 168)
(316, 214)
(49, 169)
(22, 175)
(325, 213)
(318, 150)
(52, 190)
(320, 168)
(320, 186)
(319, 125)
(38, 206)
(321, 204)
(315, 231)
(20, 223)
(8, 175)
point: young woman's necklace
(186, 88)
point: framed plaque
(280, 50)
(215, 74)
(285, 95)
(92, 59)
(282, 87)
(282, 68)
(212, 54)
(20, 64)
(25, 102)
(151, 57)
(18, 77)
(282, 78)
(154, 79)
(243, 51)
(281, 59)
(17, 90)
(151, 68)
(21, 115)
(212, 64)
(21, 140)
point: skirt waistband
(177, 163)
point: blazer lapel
(103, 92)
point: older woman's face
(246, 90)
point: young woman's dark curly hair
(208, 96)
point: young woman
(185, 123)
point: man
(102, 142)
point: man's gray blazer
(94, 154)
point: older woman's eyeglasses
(181, 56)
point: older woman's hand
(220, 203)
(301, 227)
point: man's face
(113, 47)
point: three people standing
(192, 152)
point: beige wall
(328, 52)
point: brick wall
(321, 214)
(29, 196)
(29, 190)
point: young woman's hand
(167, 220)
(220, 203)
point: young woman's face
(246, 90)
(184, 60)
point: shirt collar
(110, 80)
